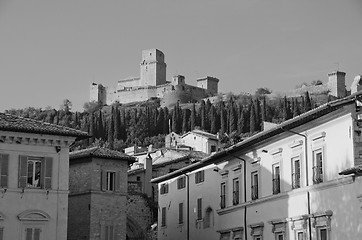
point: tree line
(118, 126)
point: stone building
(98, 194)
(152, 83)
(34, 168)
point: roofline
(39, 131)
(280, 128)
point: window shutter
(1, 233)
(4, 167)
(23, 167)
(48, 172)
(29, 234)
(118, 181)
(103, 180)
(37, 234)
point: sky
(54, 50)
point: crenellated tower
(153, 68)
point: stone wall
(79, 216)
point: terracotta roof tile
(100, 153)
(19, 124)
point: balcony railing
(235, 197)
(222, 201)
(276, 185)
(254, 192)
(295, 180)
(317, 175)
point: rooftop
(265, 135)
(26, 125)
(100, 153)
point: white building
(299, 180)
(34, 170)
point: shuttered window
(199, 208)
(35, 172)
(32, 233)
(110, 181)
(4, 170)
(163, 220)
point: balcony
(222, 201)
(295, 180)
(276, 185)
(254, 192)
(317, 175)
(236, 198)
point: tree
(241, 128)
(307, 102)
(203, 115)
(213, 120)
(91, 107)
(66, 106)
(111, 132)
(193, 117)
(252, 117)
(262, 91)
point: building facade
(98, 194)
(34, 167)
(152, 84)
(299, 180)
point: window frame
(110, 187)
(164, 188)
(199, 177)
(254, 193)
(223, 195)
(181, 182)
(294, 175)
(276, 178)
(318, 171)
(163, 217)
(199, 209)
(181, 213)
(236, 191)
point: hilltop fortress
(152, 84)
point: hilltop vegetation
(119, 126)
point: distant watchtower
(153, 68)
(337, 84)
(209, 83)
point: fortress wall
(125, 83)
(171, 98)
(142, 94)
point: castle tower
(98, 93)
(208, 83)
(357, 84)
(337, 84)
(153, 68)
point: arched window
(209, 218)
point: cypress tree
(174, 120)
(185, 120)
(203, 115)
(117, 124)
(212, 117)
(241, 120)
(232, 118)
(308, 103)
(160, 121)
(91, 129)
(222, 119)
(166, 125)
(258, 121)
(100, 128)
(263, 111)
(296, 110)
(193, 117)
(252, 117)
(111, 132)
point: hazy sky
(52, 50)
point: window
(300, 235)
(236, 195)
(181, 213)
(199, 208)
(138, 178)
(279, 236)
(317, 166)
(322, 234)
(4, 171)
(35, 172)
(254, 185)
(213, 148)
(164, 188)
(295, 172)
(223, 195)
(181, 182)
(200, 176)
(111, 179)
(32, 233)
(108, 232)
(276, 178)
(163, 220)
(1, 233)
(258, 237)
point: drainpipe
(188, 206)
(245, 232)
(306, 173)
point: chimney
(148, 176)
(337, 84)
